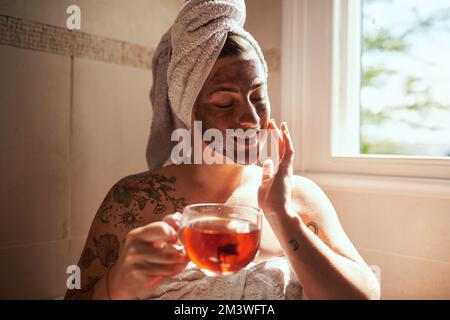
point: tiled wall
(406, 235)
(264, 23)
(75, 118)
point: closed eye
(224, 106)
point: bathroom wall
(75, 118)
(264, 23)
(71, 125)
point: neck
(210, 175)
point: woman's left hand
(274, 194)
(335, 271)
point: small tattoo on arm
(294, 244)
(313, 227)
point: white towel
(272, 279)
(182, 62)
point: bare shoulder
(153, 193)
(136, 200)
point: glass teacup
(221, 239)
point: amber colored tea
(221, 245)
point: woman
(131, 247)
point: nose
(249, 118)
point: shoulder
(138, 181)
(150, 194)
(133, 201)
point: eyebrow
(235, 89)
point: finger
(289, 143)
(159, 231)
(174, 220)
(280, 141)
(286, 162)
(169, 254)
(268, 170)
(283, 127)
(171, 270)
(154, 269)
(278, 138)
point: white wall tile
(76, 246)
(408, 225)
(45, 11)
(141, 21)
(34, 135)
(34, 271)
(410, 278)
(111, 123)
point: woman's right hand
(149, 255)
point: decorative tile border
(38, 36)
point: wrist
(285, 223)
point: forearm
(324, 274)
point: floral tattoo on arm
(133, 193)
(151, 187)
(123, 207)
(106, 251)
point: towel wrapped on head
(182, 62)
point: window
(405, 65)
(358, 99)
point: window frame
(317, 54)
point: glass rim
(217, 204)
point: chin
(245, 161)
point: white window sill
(420, 187)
